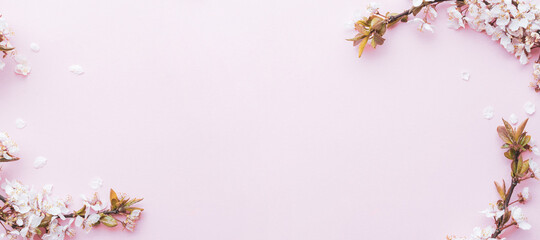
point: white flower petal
(465, 76)
(529, 107)
(513, 119)
(35, 47)
(40, 162)
(76, 69)
(488, 112)
(20, 123)
(96, 183)
(536, 151)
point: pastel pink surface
(256, 120)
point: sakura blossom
(373, 7)
(423, 26)
(7, 147)
(524, 195)
(28, 210)
(514, 25)
(492, 211)
(519, 217)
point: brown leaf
(503, 134)
(520, 129)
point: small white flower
(79, 221)
(35, 47)
(534, 168)
(40, 162)
(529, 107)
(76, 69)
(96, 183)
(483, 233)
(488, 112)
(513, 119)
(492, 211)
(519, 217)
(431, 13)
(92, 219)
(535, 150)
(417, 3)
(423, 25)
(465, 76)
(525, 193)
(455, 17)
(22, 69)
(373, 7)
(20, 123)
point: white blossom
(423, 25)
(456, 18)
(372, 8)
(492, 211)
(525, 193)
(519, 217)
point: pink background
(256, 120)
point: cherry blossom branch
(514, 24)
(27, 212)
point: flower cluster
(505, 212)
(22, 67)
(5, 46)
(27, 212)
(7, 148)
(514, 24)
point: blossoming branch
(26, 212)
(6, 49)
(515, 24)
(505, 212)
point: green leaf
(82, 211)
(132, 201)
(515, 167)
(378, 39)
(417, 10)
(45, 222)
(362, 46)
(108, 221)
(510, 154)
